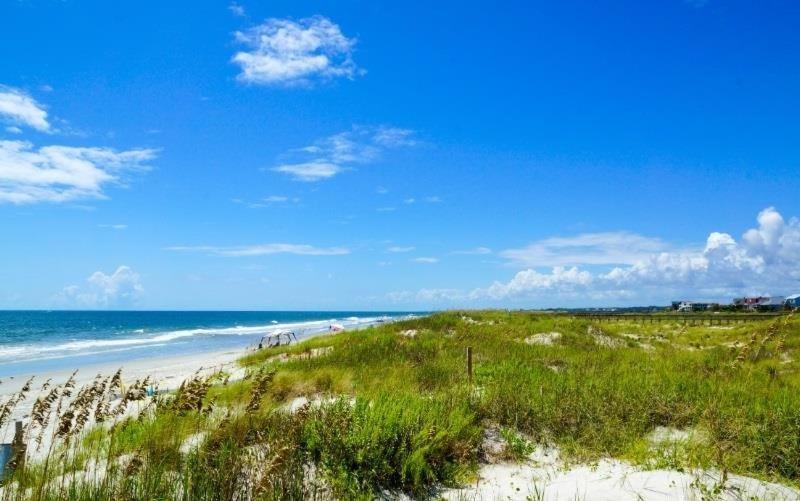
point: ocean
(33, 342)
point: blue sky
(321, 155)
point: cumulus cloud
(264, 250)
(62, 173)
(766, 260)
(20, 109)
(123, 288)
(560, 279)
(291, 53)
(332, 155)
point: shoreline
(167, 372)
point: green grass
(401, 414)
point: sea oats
(259, 389)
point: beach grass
(392, 409)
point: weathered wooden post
(469, 364)
(18, 448)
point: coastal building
(686, 306)
(760, 303)
(771, 303)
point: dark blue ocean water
(37, 341)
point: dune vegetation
(392, 410)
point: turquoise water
(39, 341)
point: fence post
(18, 447)
(469, 363)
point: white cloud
(13, 129)
(426, 260)
(393, 137)
(332, 155)
(353, 146)
(264, 250)
(588, 248)
(272, 200)
(475, 251)
(560, 279)
(429, 200)
(114, 226)
(765, 261)
(309, 172)
(122, 288)
(286, 52)
(276, 199)
(399, 249)
(20, 109)
(62, 173)
(236, 9)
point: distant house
(748, 303)
(684, 306)
(792, 301)
(772, 303)
(759, 303)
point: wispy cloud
(334, 154)
(276, 199)
(264, 250)
(309, 172)
(63, 173)
(292, 53)
(393, 137)
(236, 9)
(398, 249)
(428, 200)
(474, 251)
(113, 226)
(280, 199)
(588, 248)
(426, 260)
(269, 201)
(20, 109)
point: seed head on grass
(191, 393)
(261, 382)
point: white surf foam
(40, 351)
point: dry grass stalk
(191, 393)
(261, 381)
